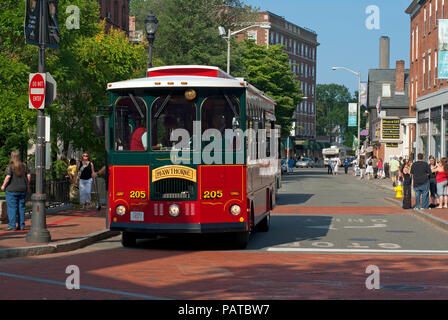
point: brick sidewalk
(69, 230)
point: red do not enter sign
(37, 91)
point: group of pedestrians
(17, 184)
(370, 168)
(429, 181)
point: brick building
(301, 46)
(428, 98)
(116, 13)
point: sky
(345, 40)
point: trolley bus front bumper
(162, 228)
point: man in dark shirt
(420, 172)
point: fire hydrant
(399, 190)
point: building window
(424, 74)
(429, 71)
(386, 93)
(424, 22)
(123, 17)
(435, 68)
(116, 12)
(430, 17)
(416, 43)
(436, 14)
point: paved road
(321, 246)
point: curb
(419, 213)
(426, 216)
(57, 247)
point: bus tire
(241, 239)
(264, 224)
(128, 239)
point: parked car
(305, 163)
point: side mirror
(98, 125)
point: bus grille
(173, 188)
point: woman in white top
(337, 163)
(369, 170)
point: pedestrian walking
(85, 171)
(330, 167)
(380, 168)
(407, 186)
(362, 167)
(291, 163)
(394, 165)
(346, 164)
(420, 172)
(441, 172)
(16, 185)
(336, 164)
(375, 162)
(434, 198)
(369, 169)
(71, 174)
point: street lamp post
(222, 33)
(151, 24)
(359, 104)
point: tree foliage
(332, 112)
(188, 29)
(86, 60)
(268, 69)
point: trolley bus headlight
(235, 209)
(120, 210)
(174, 210)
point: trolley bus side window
(130, 124)
(169, 113)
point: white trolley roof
(187, 76)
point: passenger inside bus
(139, 136)
(167, 114)
(163, 139)
(130, 124)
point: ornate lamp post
(151, 24)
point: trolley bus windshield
(167, 113)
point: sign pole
(38, 231)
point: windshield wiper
(136, 105)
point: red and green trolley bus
(156, 188)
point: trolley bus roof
(188, 76)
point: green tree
(192, 37)
(332, 112)
(86, 60)
(268, 69)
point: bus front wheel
(128, 239)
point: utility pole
(38, 231)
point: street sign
(32, 22)
(50, 89)
(37, 91)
